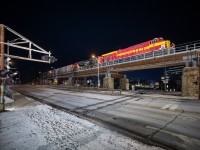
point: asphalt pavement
(169, 120)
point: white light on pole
(54, 75)
(98, 82)
(41, 78)
(98, 73)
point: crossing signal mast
(22, 43)
(30, 50)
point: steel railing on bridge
(184, 48)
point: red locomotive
(148, 46)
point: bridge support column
(85, 81)
(45, 82)
(108, 82)
(124, 83)
(189, 81)
(70, 82)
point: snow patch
(43, 127)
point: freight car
(89, 62)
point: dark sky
(73, 30)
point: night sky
(73, 30)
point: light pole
(41, 77)
(54, 77)
(98, 82)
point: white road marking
(170, 106)
(166, 106)
(190, 118)
(173, 107)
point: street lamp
(98, 82)
(53, 73)
(54, 77)
(41, 77)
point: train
(141, 48)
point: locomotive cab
(155, 40)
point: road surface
(172, 123)
(30, 125)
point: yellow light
(93, 56)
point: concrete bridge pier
(190, 85)
(45, 82)
(70, 81)
(108, 82)
(124, 83)
(85, 81)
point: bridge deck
(155, 62)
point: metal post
(43, 79)
(165, 81)
(8, 49)
(30, 55)
(53, 76)
(2, 90)
(98, 83)
(98, 74)
(2, 37)
(56, 74)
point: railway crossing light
(9, 81)
(7, 63)
(3, 73)
(51, 59)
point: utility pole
(54, 75)
(98, 83)
(2, 37)
(2, 34)
(20, 43)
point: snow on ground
(42, 127)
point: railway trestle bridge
(185, 54)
